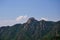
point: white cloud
(19, 18)
(44, 19)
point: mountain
(31, 30)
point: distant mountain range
(31, 30)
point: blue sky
(11, 9)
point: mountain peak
(42, 20)
(31, 20)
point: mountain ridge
(31, 30)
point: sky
(18, 11)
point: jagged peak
(42, 20)
(31, 20)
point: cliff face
(31, 30)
